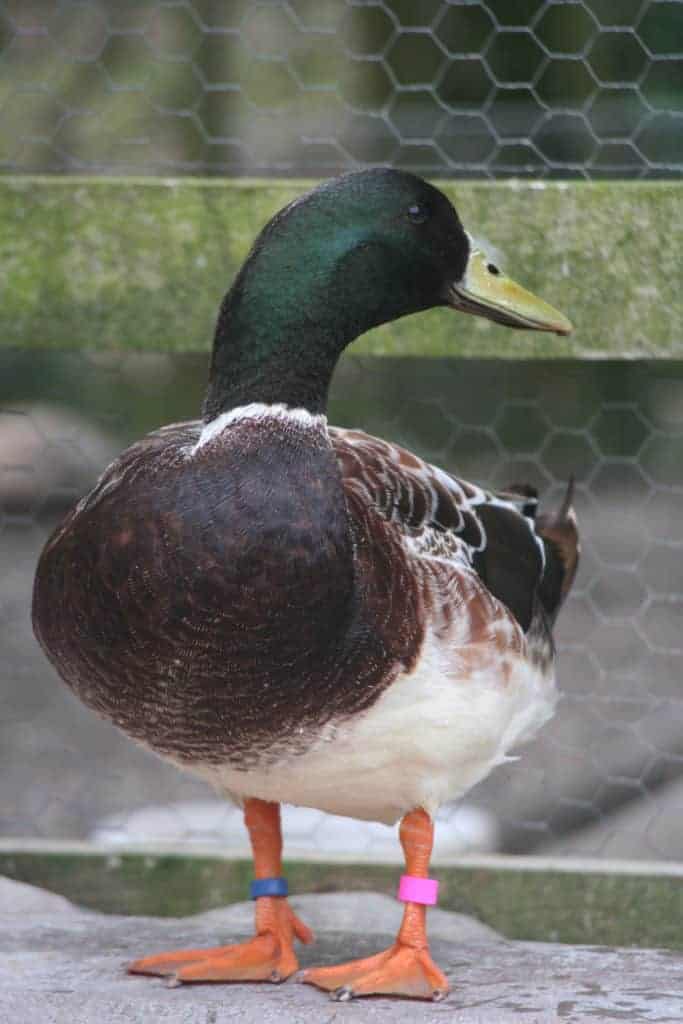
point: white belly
(433, 734)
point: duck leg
(270, 955)
(406, 968)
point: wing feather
(442, 516)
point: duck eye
(492, 269)
(417, 213)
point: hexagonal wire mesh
(472, 89)
(609, 765)
(453, 87)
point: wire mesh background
(526, 88)
(604, 777)
(584, 88)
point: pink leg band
(418, 890)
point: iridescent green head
(357, 251)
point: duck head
(358, 251)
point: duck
(303, 614)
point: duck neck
(294, 374)
(273, 349)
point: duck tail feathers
(561, 538)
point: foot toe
(263, 958)
(400, 971)
(167, 964)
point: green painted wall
(143, 264)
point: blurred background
(308, 88)
(586, 88)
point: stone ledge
(64, 964)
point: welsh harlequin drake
(303, 614)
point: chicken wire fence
(547, 88)
(605, 777)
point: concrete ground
(64, 965)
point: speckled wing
(442, 516)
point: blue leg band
(268, 887)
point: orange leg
(269, 956)
(406, 968)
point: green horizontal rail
(606, 903)
(142, 264)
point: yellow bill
(486, 291)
